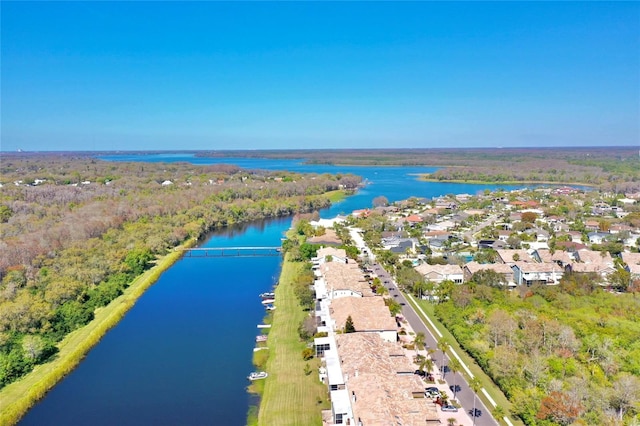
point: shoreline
(18, 397)
(425, 178)
(292, 386)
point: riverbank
(18, 397)
(426, 178)
(292, 394)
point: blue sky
(241, 75)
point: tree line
(609, 168)
(561, 354)
(76, 231)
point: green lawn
(290, 397)
(335, 196)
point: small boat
(257, 375)
(270, 307)
(268, 301)
(267, 295)
(264, 325)
(261, 338)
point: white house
(598, 237)
(536, 273)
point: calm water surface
(182, 354)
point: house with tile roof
(525, 273)
(510, 256)
(439, 273)
(369, 315)
(503, 269)
(632, 264)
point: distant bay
(182, 354)
(394, 182)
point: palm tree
(454, 366)
(426, 364)
(475, 386)
(418, 341)
(443, 345)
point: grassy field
(338, 195)
(289, 396)
(18, 397)
(491, 388)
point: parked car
(450, 408)
(432, 392)
(420, 373)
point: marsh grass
(260, 358)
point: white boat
(257, 375)
(261, 338)
(268, 301)
(267, 295)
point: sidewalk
(461, 417)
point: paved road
(473, 231)
(464, 394)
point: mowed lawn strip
(18, 397)
(290, 396)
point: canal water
(181, 355)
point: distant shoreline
(425, 178)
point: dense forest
(563, 355)
(609, 168)
(75, 231)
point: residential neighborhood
(372, 361)
(539, 234)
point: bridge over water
(231, 251)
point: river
(181, 355)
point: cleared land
(290, 397)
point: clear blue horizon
(98, 76)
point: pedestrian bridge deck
(231, 251)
